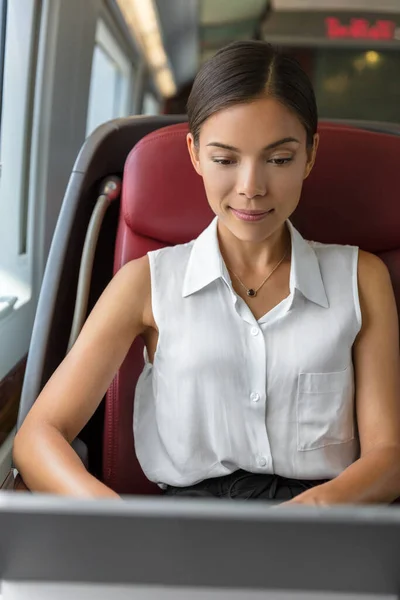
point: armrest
(13, 484)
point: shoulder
(134, 271)
(137, 272)
(171, 252)
(375, 288)
(336, 258)
(131, 284)
(332, 249)
(373, 274)
(170, 257)
(370, 265)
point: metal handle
(109, 191)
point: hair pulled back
(244, 71)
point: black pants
(244, 486)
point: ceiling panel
(214, 12)
(179, 25)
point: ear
(193, 153)
(312, 153)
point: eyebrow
(285, 140)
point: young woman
(273, 365)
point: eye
(281, 161)
(223, 161)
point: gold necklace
(251, 291)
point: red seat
(351, 197)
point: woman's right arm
(42, 450)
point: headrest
(351, 196)
(163, 198)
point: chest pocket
(325, 409)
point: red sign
(360, 29)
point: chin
(251, 232)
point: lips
(250, 215)
(250, 212)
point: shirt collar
(206, 265)
(305, 274)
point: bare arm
(375, 477)
(42, 451)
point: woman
(272, 366)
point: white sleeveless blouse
(228, 392)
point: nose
(251, 182)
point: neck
(244, 256)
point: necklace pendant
(251, 292)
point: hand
(317, 496)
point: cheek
(217, 181)
(287, 181)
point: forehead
(258, 123)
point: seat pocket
(325, 409)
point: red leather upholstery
(163, 203)
(351, 197)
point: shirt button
(262, 461)
(254, 396)
(255, 331)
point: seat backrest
(351, 197)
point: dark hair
(244, 71)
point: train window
(3, 16)
(151, 106)
(18, 45)
(16, 120)
(111, 81)
(358, 84)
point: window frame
(150, 99)
(15, 266)
(52, 37)
(3, 27)
(106, 41)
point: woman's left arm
(375, 476)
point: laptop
(150, 548)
